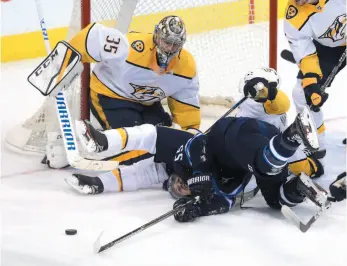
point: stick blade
(288, 56)
(92, 165)
(97, 245)
(290, 215)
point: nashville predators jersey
(126, 68)
(324, 22)
(273, 112)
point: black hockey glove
(314, 97)
(253, 90)
(338, 187)
(188, 213)
(217, 205)
(193, 156)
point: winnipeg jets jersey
(324, 22)
(126, 68)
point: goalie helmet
(169, 38)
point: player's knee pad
(290, 195)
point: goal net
(226, 38)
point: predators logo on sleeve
(147, 93)
(292, 11)
(337, 30)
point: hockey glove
(201, 185)
(338, 187)
(317, 168)
(314, 96)
(188, 213)
(217, 205)
(260, 89)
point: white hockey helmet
(169, 38)
(267, 73)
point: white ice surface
(37, 206)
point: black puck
(71, 232)
(344, 141)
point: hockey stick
(290, 215)
(64, 117)
(228, 112)
(288, 55)
(98, 248)
(334, 72)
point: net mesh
(226, 38)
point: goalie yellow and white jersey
(127, 69)
(324, 22)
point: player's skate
(303, 130)
(92, 139)
(85, 184)
(316, 194)
(313, 191)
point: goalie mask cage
(226, 38)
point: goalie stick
(63, 113)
